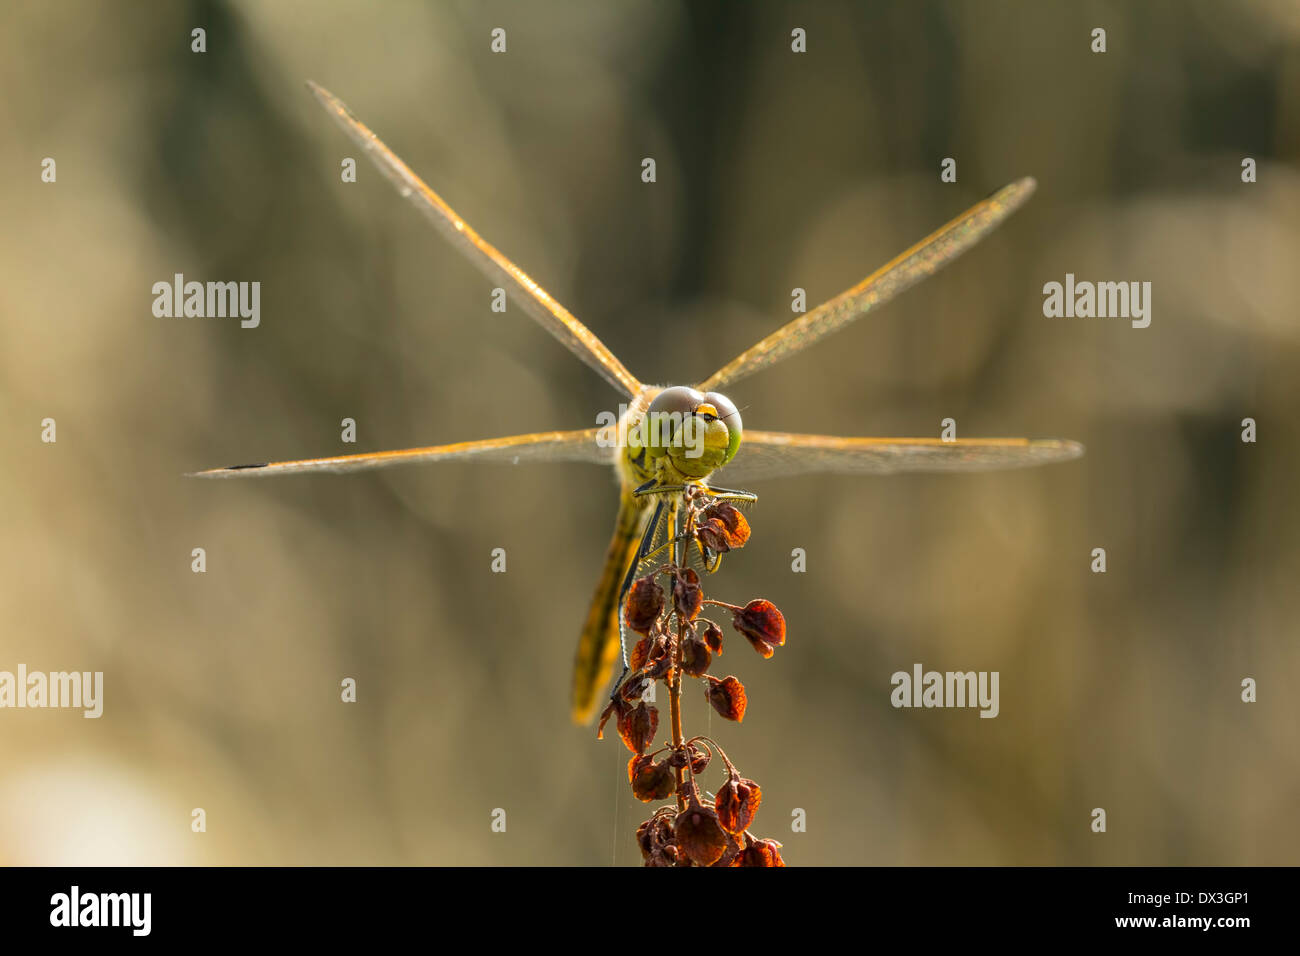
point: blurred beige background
(774, 171)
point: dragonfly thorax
(679, 434)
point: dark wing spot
(262, 464)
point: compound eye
(665, 415)
(680, 399)
(728, 414)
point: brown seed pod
(695, 656)
(761, 853)
(737, 802)
(656, 833)
(639, 655)
(688, 596)
(762, 624)
(722, 528)
(645, 601)
(637, 727)
(618, 706)
(699, 757)
(727, 697)
(699, 834)
(713, 638)
(651, 780)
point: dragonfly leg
(712, 560)
(722, 494)
(652, 487)
(732, 494)
(647, 541)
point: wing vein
(531, 297)
(894, 277)
(765, 455)
(588, 445)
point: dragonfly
(654, 462)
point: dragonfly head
(696, 432)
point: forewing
(531, 297)
(925, 258)
(780, 454)
(589, 445)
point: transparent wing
(925, 258)
(586, 445)
(779, 454)
(531, 297)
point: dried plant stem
(703, 829)
(675, 686)
(675, 705)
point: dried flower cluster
(676, 642)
